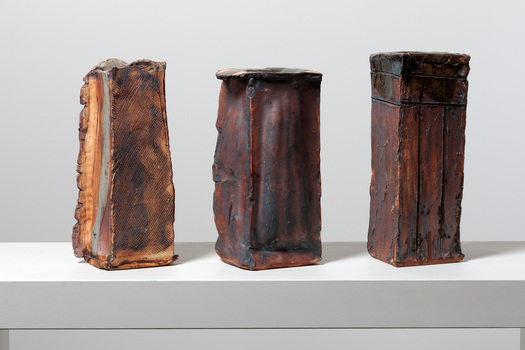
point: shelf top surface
(348, 261)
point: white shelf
(43, 286)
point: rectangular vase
(125, 210)
(267, 168)
(418, 140)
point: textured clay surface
(267, 168)
(125, 210)
(418, 141)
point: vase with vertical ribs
(125, 210)
(267, 168)
(418, 140)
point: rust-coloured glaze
(125, 210)
(267, 168)
(418, 140)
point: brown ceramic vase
(125, 210)
(267, 171)
(418, 140)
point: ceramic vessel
(125, 210)
(418, 140)
(266, 171)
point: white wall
(47, 47)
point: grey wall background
(48, 46)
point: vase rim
(279, 73)
(116, 63)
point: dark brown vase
(266, 171)
(418, 140)
(125, 210)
